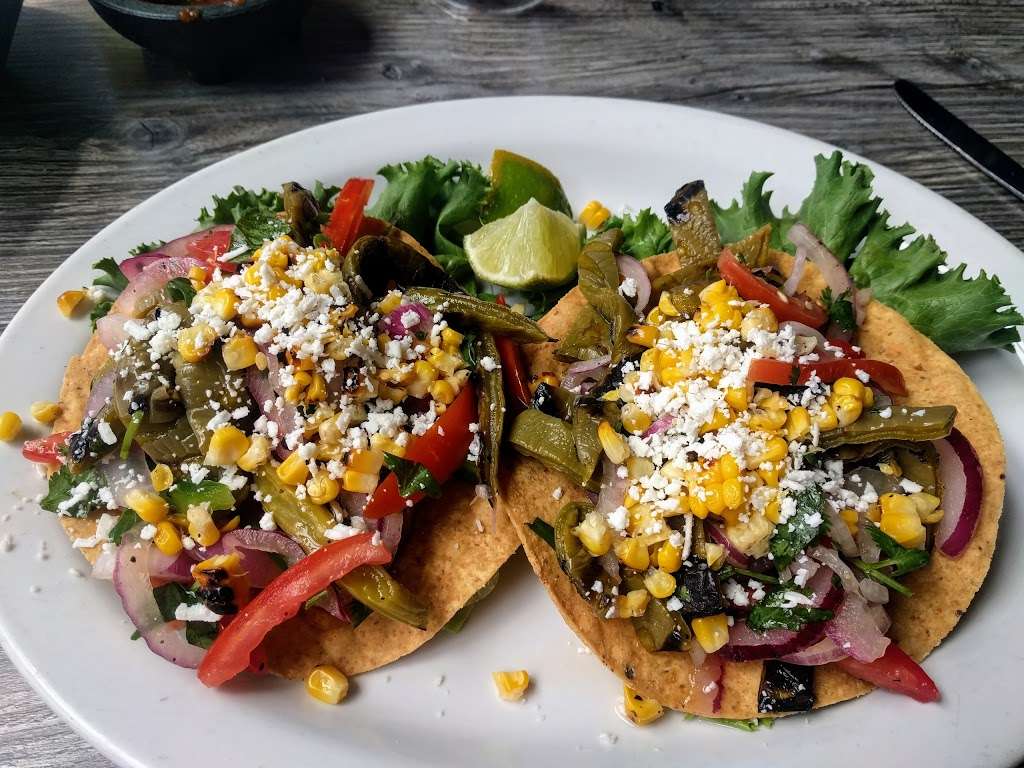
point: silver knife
(970, 144)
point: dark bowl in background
(9, 11)
(214, 42)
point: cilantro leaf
(253, 229)
(412, 477)
(841, 205)
(774, 613)
(749, 725)
(239, 203)
(643, 235)
(99, 310)
(169, 596)
(730, 571)
(543, 529)
(201, 633)
(899, 559)
(751, 212)
(840, 310)
(112, 276)
(146, 247)
(410, 199)
(180, 289)
(803, 527)
(128, 520)
(82, 490)
(184, 494)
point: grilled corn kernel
(231, 524)
(772, 509)
(256, 455)
(737, 398)
(382, 444)
(44, 411)
(659, 583)
(639, 467)
(390, 302)
(367, 461)
(728, 467)
(869, 396)
(758, 319)
(594, 533)
(635, 419)
(614, 444)
(632, 604)
(148, 506)
(698, 506)
(442, 392)
(201, 526)
(666, 306)
(511, 685)
(543, 378)
(770, 476)
(293, 470)
(10, 426)
(239, 352)
(798, 423)
(198, 277)
(848, 409)
(161, 477)
(250, 320)
(224, 302)
(644, 335)
(451, 340)
(826, 418)
(227, 445)
(848, 386)
(444, 362)
(670, 558)
(167, 539)
(901, 520)
(594, 214)
(322, 488)
(733, 493)
(926, 503)
(849, 516)
(713, 498)
(358, 482)
(317, 390)
(251, 276)
(326, 683)
(712, 632)
(633, 553)
(639, 710)
(295, 391)
(196, 342)
(68, 301)
(775, 449)
(715, 555)
(720, 418)
(874, 513)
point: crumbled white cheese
(196, 612)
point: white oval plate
(438, 707)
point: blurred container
(9, 10)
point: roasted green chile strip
(491, 411)
(587, 338)
(203, 383)
(693, 224)
(306, 522)
(550, 441)
(485, 315)
(579, 565)
(658, 629)
(933, 423)
(920, 465)
(375, 263)
(170, 445)
(588, 444)
(599, 283)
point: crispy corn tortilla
(445, 561)
(942, 590)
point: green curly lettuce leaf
(643, 235)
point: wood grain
(90, 126)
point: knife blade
(967, 142)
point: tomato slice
(46, 450)
(513, 372)
(751, 287)
(347, 215)
(894, 671)
(441, 449)
(233, 649)
(847, 348)
(210, 245)
(884, 375)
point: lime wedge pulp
(534, 247)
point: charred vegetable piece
(582, 568)
(306, 522)
(920, 464)
(86, 445)
(588, 337)
(698, 590)
(486, 315)
(599, 283)
(491, 412)
(170, 445)
(550, 441)
(554, 401)
(754, 250)
(204, 382)
(301, 211)
(660, 629)
(588, 444)
(693, 224)
(136, 381)
(858, 479)
(374, 264)
(786, 688)
(934, 422)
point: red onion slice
(265, 388)
(585, 370)
(659, 425)
(706, 692)
(854, 630)
(828, 556)
(390, 529)
(101, 393)
(631, 269)
(839, 533)
(394, 326)
(253, 545)
(822, 652)
(613, 489)
(126, 475)
(799, 266)
(961, 482)
(170, 567)
(831, 268)
(152, 279)
(103, 567)
(735, 556)
(133, 585)
(132, 268)
(111, 331)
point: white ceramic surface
(438, 707)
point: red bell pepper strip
(847, 348)
(212, 245)
(751, 287)
(232, 651)
(441, 449)
(513, 371)
(884, 375)
(347, 216)
(894, 671)
(46, 450)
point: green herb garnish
(899, 559)
(544, 530)
(643, 235)
(128, 520)
(180, 289)
(840, 310)
(806, 523)
(412, 477)
(773, 613)
(184, 494)
(62, 488)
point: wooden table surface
(89, 126)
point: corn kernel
(670, 558)
(511, 685)
(201, 526)
(639, 466)
(719, 419)
(697, 505)
(659, 583)
(874, 513)
(758, 319)
(635, 419)
(231, 524)
(148, 506)
(382, 444)
(869, 396)
(10, 426)
(632, 604)
(849, 516)
(358, 482)
(293, 470)
(196, 342)
(250, 320)
(44, 411)
(543, 378)
(639, 710)
(826, 418)
(666, 306)
(848, 409)
(713, 498)
(770, 477)
(772, 510)
(644, 335)
(68, 301)
(227, 445)
(733, 493)
(712, 632)
(161, 477)
(737, 398)
(225, 303)
(715, 555)
(366, 461)
(167, 539)
(594, 214)
(594, 533)
(239, 352)
(326, 683)
(848, 386)
(798, 423)
(633, 553)
(277, 260)
(451, 340)
(322, 488)
(728, 467)
(256, 455)
(775, 449)
(901, 520)
(614, 444)
(317, 390)
(390, 302)
(444, 362)
(198, 276)
(442, 392)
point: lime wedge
(514, 180)
(535, 247)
